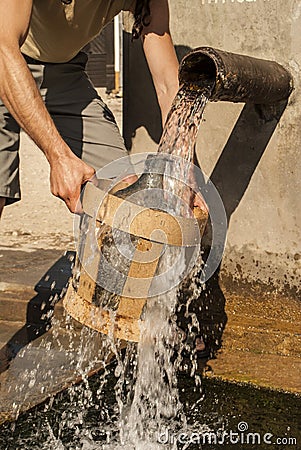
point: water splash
(152, 401)
(147, 392)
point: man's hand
(67, 175)
(199, 202)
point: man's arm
(20, 95)
(163, 64)
(160, 55)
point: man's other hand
(67, 176)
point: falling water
(152, 403)
(179, 139)
(146, 391)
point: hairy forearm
(21, 96)
(160, 55)
(165, 74)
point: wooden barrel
(153, 229)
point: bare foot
(2, 204)
(195, 343)
(199, 344)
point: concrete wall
(254, 164)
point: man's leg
(2, 204)
(9, 159)
(9, 150)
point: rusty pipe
(235, 78)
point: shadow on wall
(231, 174)
(241, 155)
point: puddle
(86, 417)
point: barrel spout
(235, 78)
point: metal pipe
(236, 78)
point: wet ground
(220, 415)
(252, 334)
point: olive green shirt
(58, 32)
